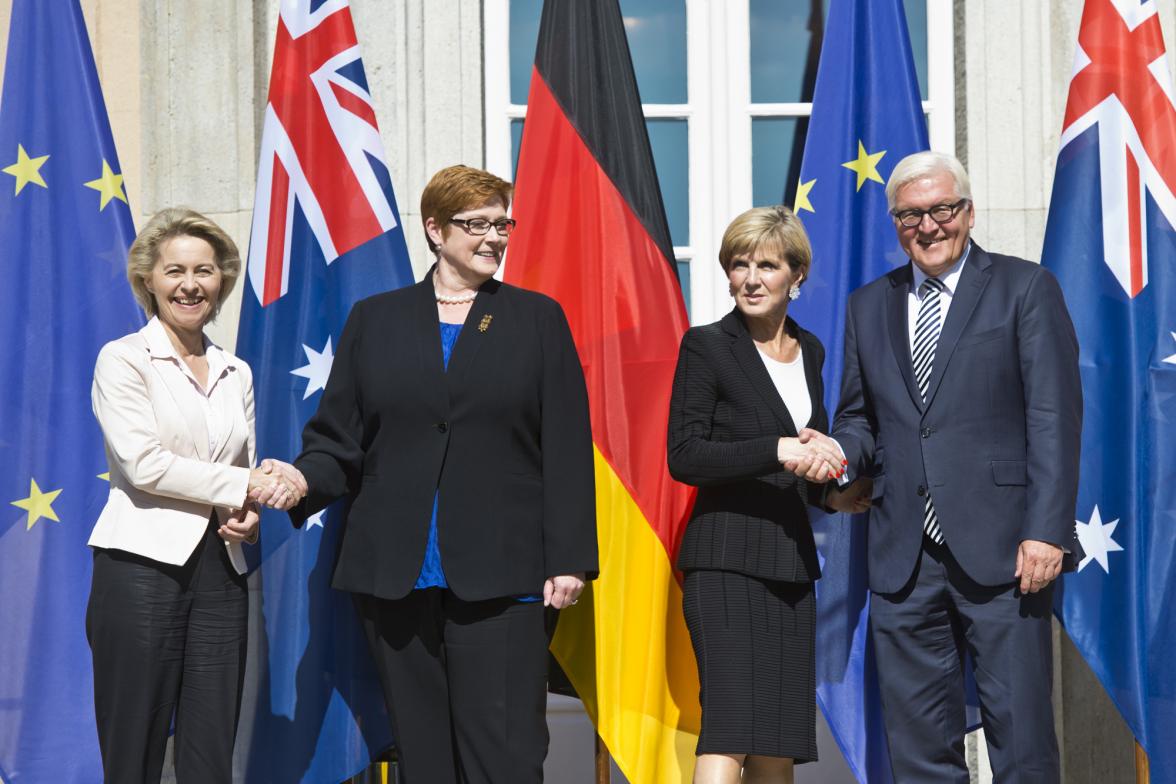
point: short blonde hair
(457, 188)
(179, 222)
(775, 229)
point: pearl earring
(794, 293)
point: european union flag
(64, 232)
(867, 116)
(326, 233)
(1111, 241)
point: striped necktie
(927, 327)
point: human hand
(241, 525)
(278, 485)
(563, 591)
(812, 455)
(1038, 564)
(263, 487)
(853, 498)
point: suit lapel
(748, 357)
(812, 378)
(974, 278)
(426, 333)
(478, 329)
(896, 325)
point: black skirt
(754, 643)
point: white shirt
(790, 382)
(949, 279)
(218, 368)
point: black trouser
(465, 684)
(167, 640)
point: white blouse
(790, 382)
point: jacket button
(926, 432)
(922, 491)
(442, 427)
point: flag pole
(1142, 766)
(603, 768)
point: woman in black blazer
(745, 391)
(456, 422)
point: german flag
(593, 235)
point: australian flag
(64, 232)
(326, 233)
(1111, 243)
(867, 116)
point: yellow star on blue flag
(865, 165)
(110, 185)
(803, 189)
(26, 169)
(38, 504)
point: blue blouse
(432, 575)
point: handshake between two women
(274, 484)
(816, 457)
(277, 485)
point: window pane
(777, 145)
(785, 48)
(669, 140)
(916, 14)
(516, 141)
(524, 34)
(684, 279)
(657, 41)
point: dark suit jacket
(504, 436)
(997, 441)
(726, 419)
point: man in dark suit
(961, 398)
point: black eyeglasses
(940, 213)
(481, 226)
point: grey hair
(927, 164)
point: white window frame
(719, 113)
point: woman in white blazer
(168, 603)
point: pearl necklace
(462, 300)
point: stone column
(424, 65)
(197, 117)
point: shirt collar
(159, 346)
(949, 279)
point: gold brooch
(485, 325)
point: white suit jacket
(164, 484)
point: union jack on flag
(320, 145)
(1121, 86)
(1110, 240)
(326, 233)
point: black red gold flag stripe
(593, 235)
